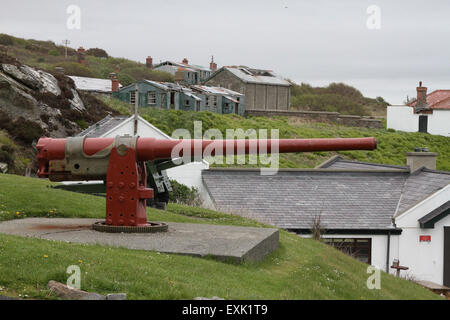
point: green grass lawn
(392, 145)
(299, 269)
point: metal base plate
(150, 227)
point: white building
(375, 212)
(189, 174)
(428, 113)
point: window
(151, 98)
(360, 249)
(186, 103)
(132, 97)
(214, 100)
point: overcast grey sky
(316, 42)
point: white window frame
(151, 98)
(132, 97)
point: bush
(76, 69)
(97, 52)
(54, 52)
(184, 195)
(6, 40)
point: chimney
(149, 62)
(421, 97)
(59, 70)
(212, 64)
(421, 157)
(80, 56)
(114, 82)
(185, 61)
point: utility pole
(65, 43)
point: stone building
(263, 90)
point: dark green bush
(6, 40)
(184, 195)
(97, 52)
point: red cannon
(120, 163)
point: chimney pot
(185, 61)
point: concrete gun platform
(225, 243)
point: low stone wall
(322, 116)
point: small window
(151, 98)
(215, 100)
(186, 103)
(360, 249)
(132, 97)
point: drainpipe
(136, 101)
(388, 251)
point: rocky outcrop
(34, 103)
(48, 100)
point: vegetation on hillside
(299, 269)
(47, 55)
(336, 97)
(392, 145)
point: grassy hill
(299, 269)
(47, 55)
(392, 145)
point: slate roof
(339, 163)
(363, 196)
(103, 126)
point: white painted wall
(424, 259)
(403, 118)
(439, 122)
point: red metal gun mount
(120, 163)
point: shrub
(6, 40)
(76, 69)
(54, 52)
(97, 52)
(184, 195)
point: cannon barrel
(148, 149)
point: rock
(76, 103)
(32, 78)
(67, 293)
(116, 296)
(3, 167)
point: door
(423, 124)
(447, 256)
